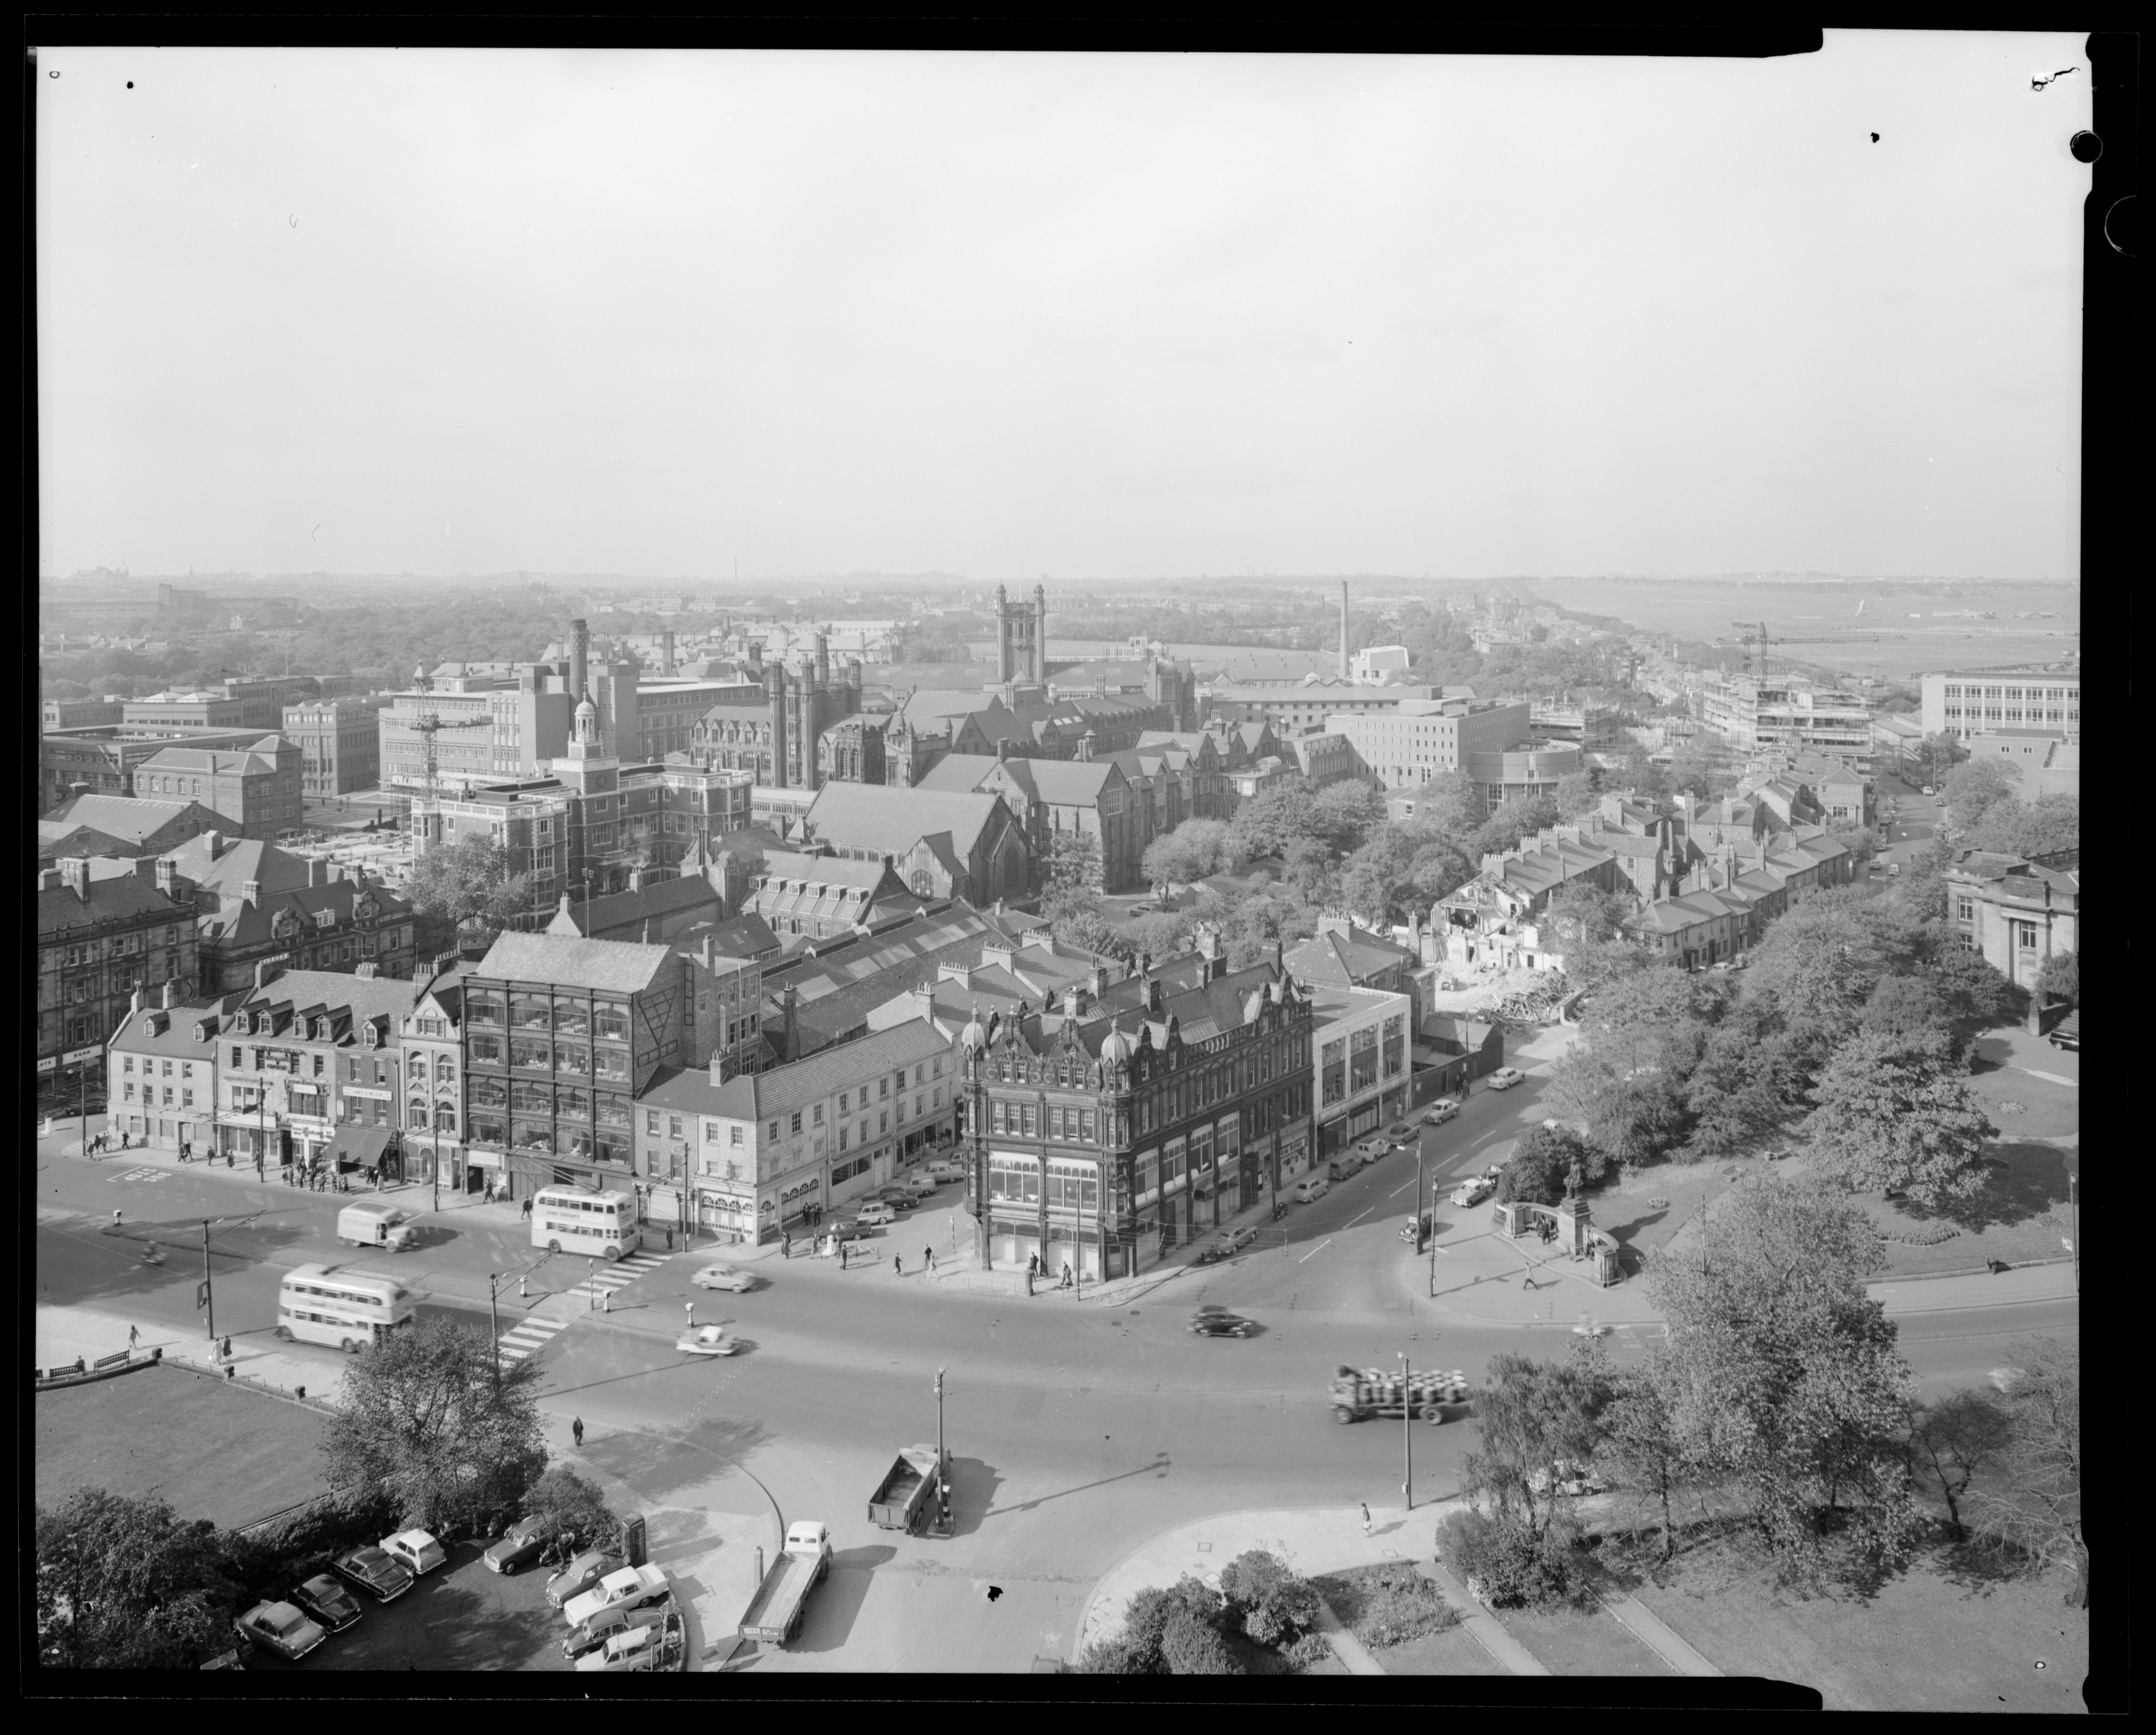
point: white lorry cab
(375, 1224)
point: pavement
(1335, 1539)
(63, 1334)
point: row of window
(2014, 694)
(186, 1099)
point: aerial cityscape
(912, 1100)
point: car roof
(321, 1582)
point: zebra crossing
(529, 1337)
(619, 1275)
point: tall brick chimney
(1343, 629)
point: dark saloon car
(327, 1603)
(520, 1546)
(373, 1571)
(1215, 1321)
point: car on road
(897, 1198)
(414, 1550)
(1309, 1187)
(1440, 1112)
(706, 1340)
(945, 1169)
(579, 1575)
(1226, 1245)
(1505, 1078)
(373, 1571)
(875, 1214)
(1893, 870)
(724, 1277)
(1373, 1148)
(279, 1629)
(1215, 1321)
(1473, 1191)
(519, 1545)
(918, 1185)
(1401, 1131)
(630, 1587)
(590, 1634)
(327, 1603)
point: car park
(724, 1277)
(327, 1603)
(1311, 1187)
(519, 1545)
(279, 1629)
(628, 1586)
(1215, 1321)
(592, 1632)
(414, 1550)
(1440, 1112)
(374, 1571)
(1505, 1078)
(706, 1340)
(579, 1575)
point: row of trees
(1854, 1019)
(1192, 1628)
(429, 1434)
(1777, 1400)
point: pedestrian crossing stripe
(528, 1338)
(618, 1275)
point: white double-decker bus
(350, 1309)
(568, 1220)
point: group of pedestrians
(102, 1143)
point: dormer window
(367, 1036)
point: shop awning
(362, 1145)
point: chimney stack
(169, 996)
(365, 972)
(667, 653)
(1343, 629)
(268, 969)
(213, 841)
(74, 875)
(168, 875)
(318, 871)
(580, 648)
(250, 891)
(144, 867)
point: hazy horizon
(1453, 318)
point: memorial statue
(1573, 1179)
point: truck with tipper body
(907, 1491)
(774, 1613)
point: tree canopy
(124, 1584)
(466, 881)
(2032, 1510)
(1896, 1111)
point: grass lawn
(210, 1450)
(1388, 1605)
(1937, 1638)
(1648, 1206)
(2019, 1215)
(1453, 1653)
(1570, 1641)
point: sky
(1021, 316)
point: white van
(1311, 1187)
(375, 1224)
(1341, 1166)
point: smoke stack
(667, 653)
(1343, 629)
(580, 648)
(823, 662)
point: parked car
(521, 1544)
(706, 1340)
(278, 1628)
(1309, 1187)
(1893, 870)
(579, 1575)
(1215, 1321)
(1938, 801)
(845, 1228)
(724, 1277)
(595, 1629)
(1572, 1478)
(1928, 789)
(628, 1586)
(875, 1214)
(638, 1648)
(919, 1184)
(1442, 1110)
(414, 1550)
(1236, 1240)
(327, 1603)
(897, 1198)
(1473, 1191)
(945, 1169)
(1505, 1078)
(1401, 1131)
(1373, 1148)
(374, 1571)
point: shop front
(368, 1152)
(797, 1205)
(1294, 1156)
(726, 1212)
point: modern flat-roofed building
(1359, 1038)
(1422, 740)
(339, 743)
(172, 713)
(1977, 702)
(80, 713)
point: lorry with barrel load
(1358, 1394)
(774, 1612)
(907, 1491)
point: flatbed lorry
(1357, 1393)
(774, 1613)
(907, 1491)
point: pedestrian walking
(1066, 1274)
(1029, 1280)
(845, 1254)
(606, 1301)
(928, 1258)
(786, 1248)
(123, 1141)
(897, 1269)
(1366, 1517)
(576, 1432)
(115, 1220)
(224, 1350)
(133, 1337)
(692, 1316)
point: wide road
(1079, 1431)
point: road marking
(1353, 1221)
(1316, 1251)
(2053, 1077)
(1403, 1188)
(617, 1276)
(528, 1338)
(141, 1174)
(1487, 1137)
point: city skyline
(619, 312)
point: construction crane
(1749, 639)
(430, 724)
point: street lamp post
(1407, 1429)
(209, 1298)
(494, 1324)
(942, 1464)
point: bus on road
(568, 1220)
(346, 1309)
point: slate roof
(1344, 962)
(765, 1096)
(123, 898)
(135, 818)
(743, 936)
(261, 757)
(623, 909)
(66, 840)
(182, 1036)
(317, 990)
(870, 815)
(1059, 782)
(823, 870)
(610, 966)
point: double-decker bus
(568, 1220)
(350, 1309)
